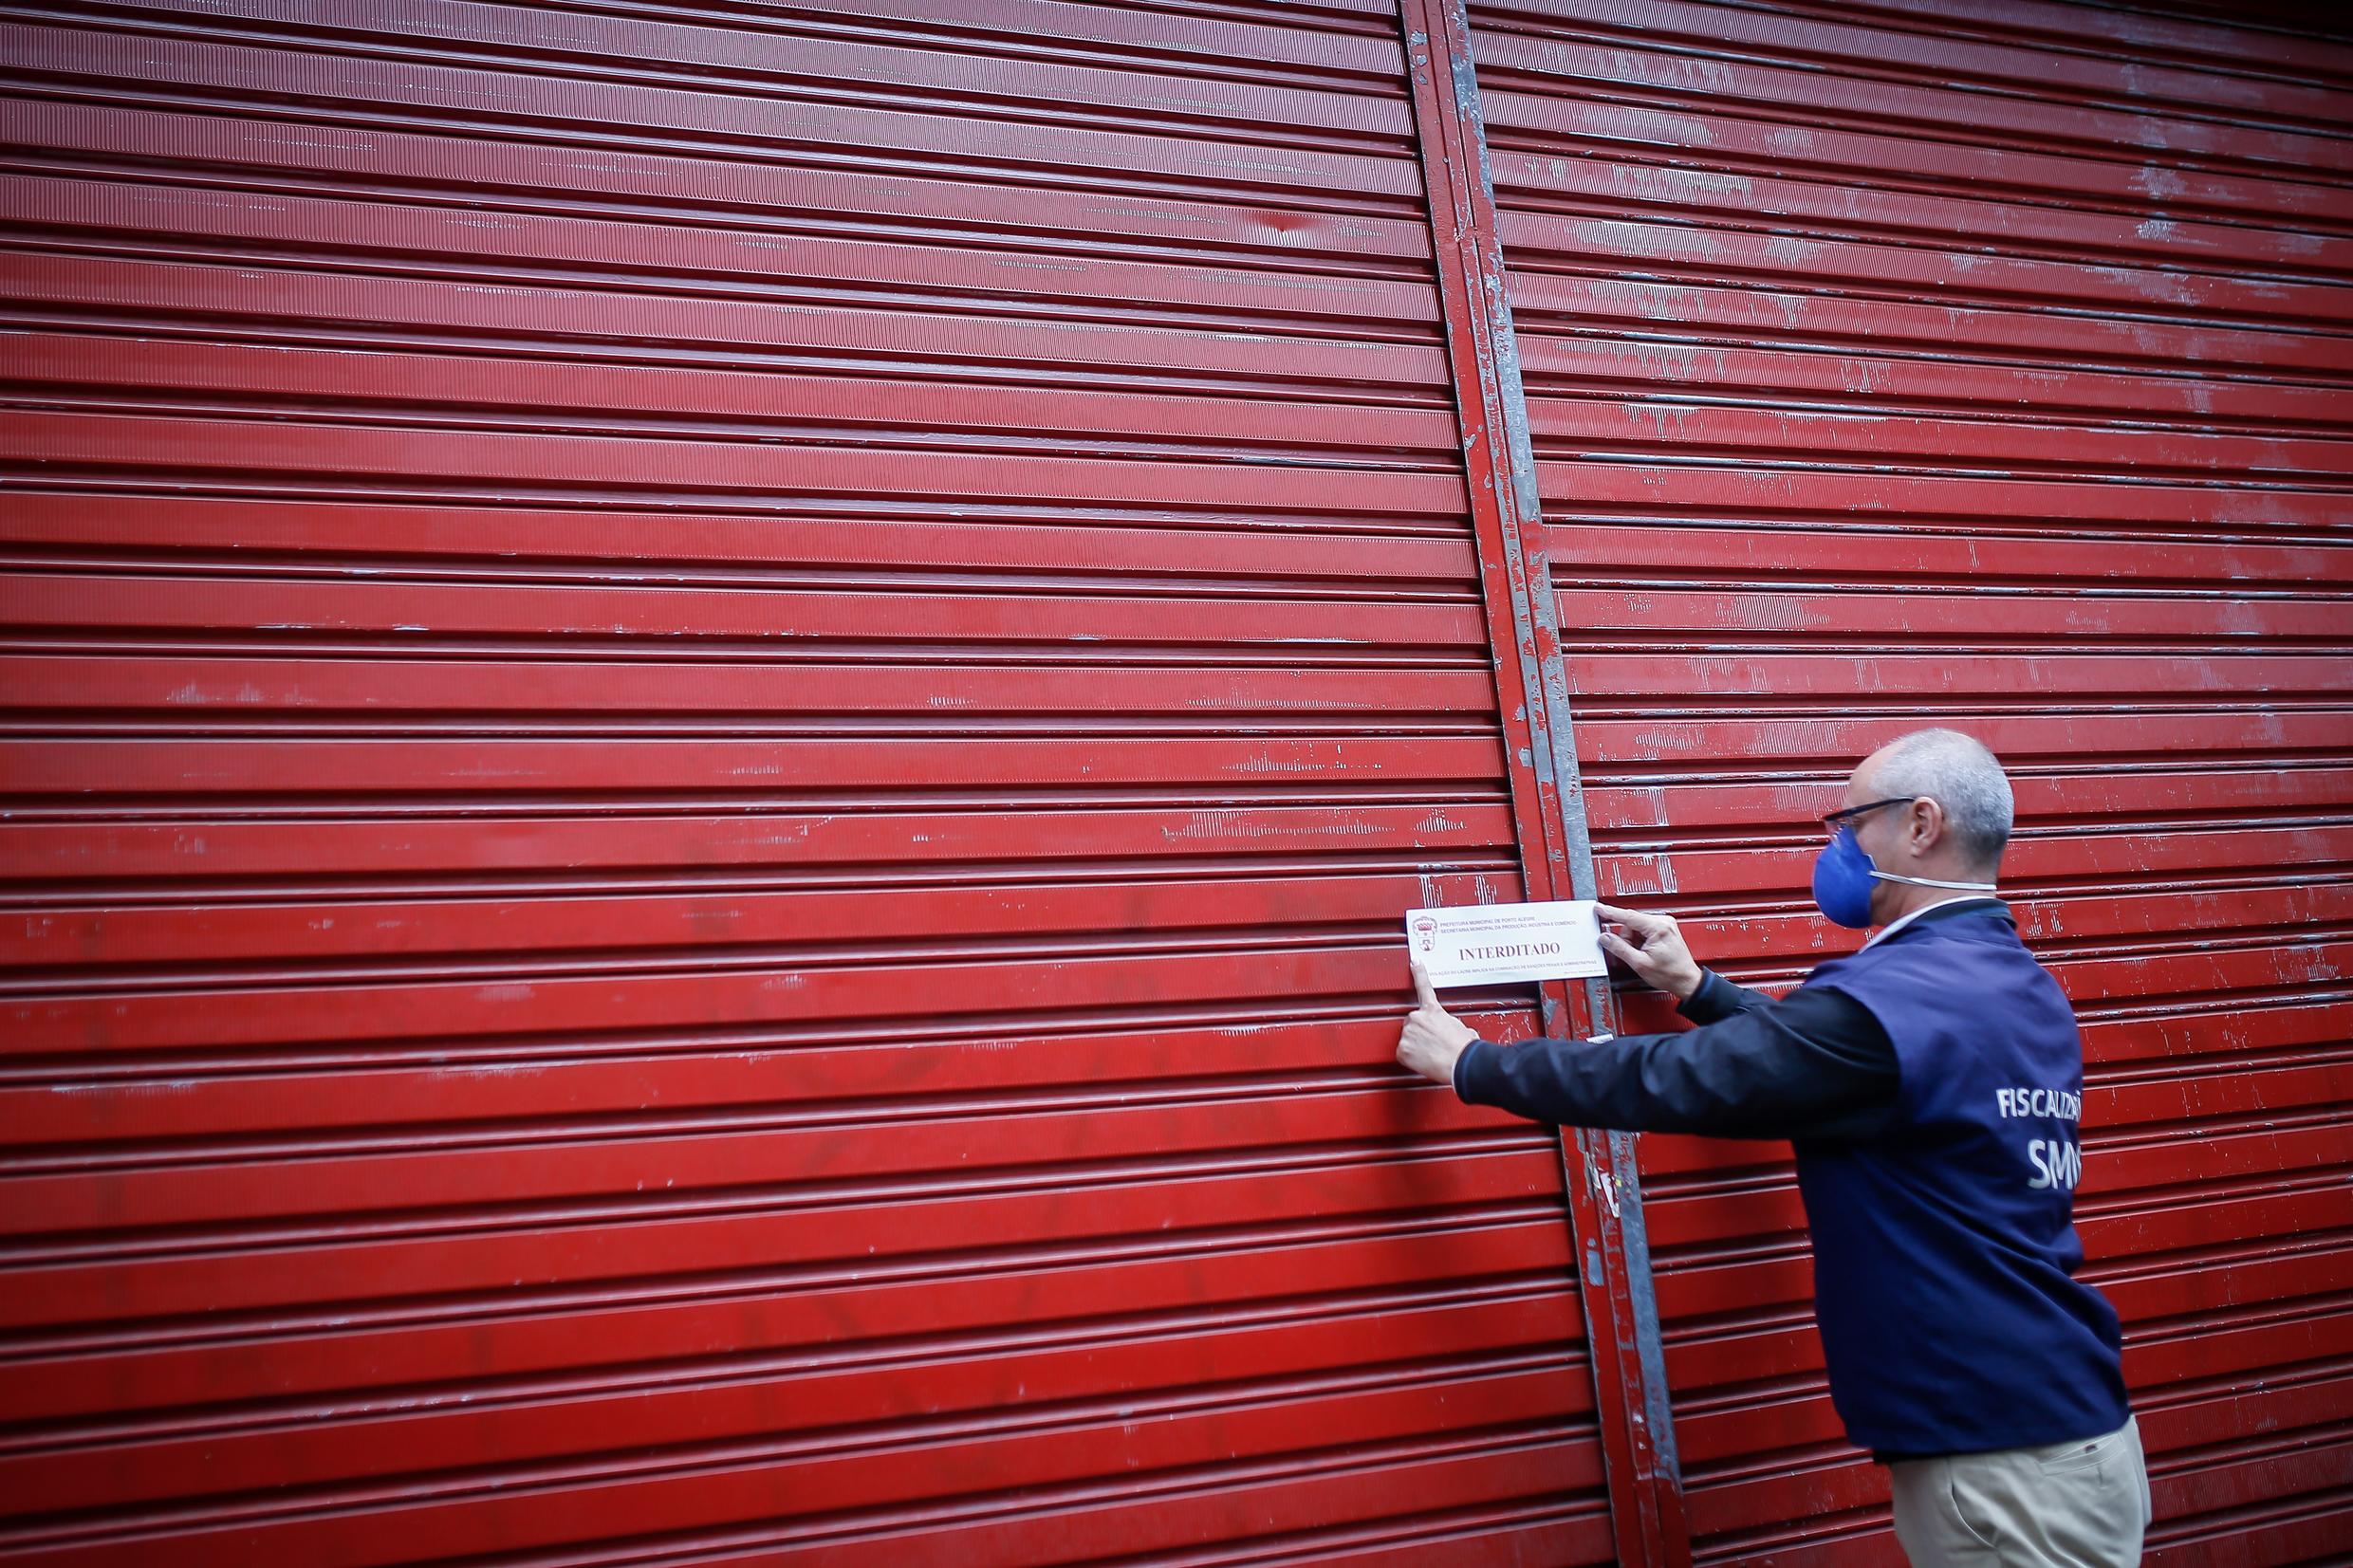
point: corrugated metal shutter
(716, 719)
(1981, 365)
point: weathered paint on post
(1604, 1186)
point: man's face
(1857, 789)
(1876, 831)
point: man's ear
(1928, 823)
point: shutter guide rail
(1603, 1181)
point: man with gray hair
(1930, 1085)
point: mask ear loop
(1918, 881)
(1932, 881)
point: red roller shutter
(716, 717)
(1983, 365)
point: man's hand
(1657, 953)
(1432, 1036)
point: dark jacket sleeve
(1813, 1065)
(1718, 998)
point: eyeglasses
(1835, 820)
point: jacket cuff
(1711, 1002)
(1465, 1069)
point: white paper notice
(1489, 944)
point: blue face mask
(1843, 874)
(1842, 878)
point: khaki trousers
(2081, 1504)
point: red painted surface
(1952, 363)
(1646, 1506)
(717, 720)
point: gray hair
(1959, 774)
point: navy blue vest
(1944, 1250)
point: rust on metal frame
(1603, 1187)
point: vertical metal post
(1604, 1197)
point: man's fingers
(1627, 953)
(1635, 920)
(1423, 992)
